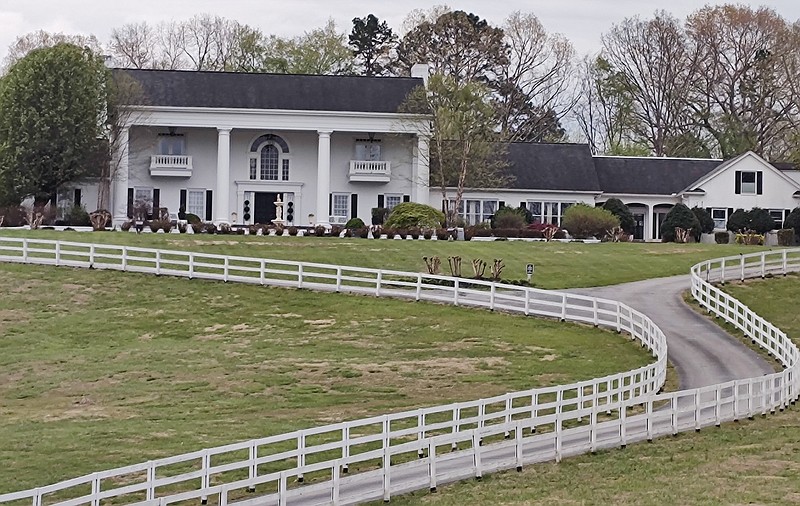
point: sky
(581, 21)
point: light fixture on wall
(172, 130)
(371, 136)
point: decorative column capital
(324, 133)
(224, 131)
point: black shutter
(76, 201)
(209, 204)
(156, 203)
(130, 202)
(501, 205)
(759, 183)
(380, 201)
(738, 182)
(330, 208)
(523, 205)
(406, 198)
(354, 205)
(183, 200)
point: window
(340, 207)
(142, 203)
(548, 212)
(749, 182)
(171, 145)
(777, 217)
(285, 170)
(392, 200)
(196, 202)
(368, 150)
(720, 217)
(269, 163)
(475, 211)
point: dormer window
(749, 182)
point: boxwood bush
(583, 221)
(411, 214)
(679, 216)
(621, 211)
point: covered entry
(264, 207)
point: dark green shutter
(354, 205)
(183, 200)
(501, 205)
(330, 208)
(209, 205)
(156, 204)
(130, 202)
(406, 198)
(380, 201)
(759, 183)
(738, 182)
(77, 200)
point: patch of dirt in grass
(285, 315)
(13, 316)
(146, 337)
(243, 327)
(27, 286)
(548, 358)
(321, 323)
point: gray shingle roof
(552, 167)
(650, 176)
(238, 90)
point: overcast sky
(582, 21)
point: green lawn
(749, 462)
(100, 369)
(558, 265)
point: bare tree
(170, 54)
(657, 65)
(199, 41)
(536, 87)
(26, 43)
(134, 45)
(745, 93)
(418, 16)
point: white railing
(171, 165)
(370, 170)
(394, 453)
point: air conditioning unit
(338, 219)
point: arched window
(269, 159)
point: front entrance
(638, 227)
(264, 210)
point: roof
(239, 90)
(552, 167)
(650, 176)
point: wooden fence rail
(377, 457)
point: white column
(119, 174)
(649, 230)
(420, 171)
(323, 177)
(223, 191)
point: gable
(728, 175)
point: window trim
(548, 217)
(724, 220)
(348, 199)
(203, 192)
(284, 164)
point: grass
(557, 265)
(100, 369)
(749, 462)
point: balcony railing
(370, 170)
(171, 165)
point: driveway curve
(701, 351)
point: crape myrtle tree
(53, 108)
(465, 150)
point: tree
(321, 51)
(793, 221)
(40, 39)
(134, 45)
(705, 220)
(621, 211)
(745, 95)
(760, 220)
(679, 216)
(52, 110)
(465, 151)
(738, 221)
(457, 44)
(371, 40)
(534, 89)
(656, 65)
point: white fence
(377, 457)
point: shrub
(293, 231)
(192, 218)
(354, 223)
(760, 220)
(509, 217)
(583, 221)
(427, 233)
(379, 215)
(78, 217)
(793, 221)
(621, 211)
(441, 234)
(738, 220)
(414, 232)
(705, 219)
(126, 225)
(679, 216)
(411, 214)
(722, 237)
(319, 231)
(786, 237)
(363, 232)
(750, 239)
(336, 231)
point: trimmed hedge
(411, 214)
(621, 211)
(583, 221)
(682, 217)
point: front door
(264, 211)
(638, 227)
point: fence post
(335, 484)
(95, 490)
(722, 267)
(263, 272)
(491, 297)
(301, 454)
(456, 418)
(158, 262)
(623, 430)
(299, 275)
(717, 399)
(476, 451)
(378, 280)
(25, 250)
(518, 446)
(91, 255)
(763, 264)
(432, 465)
(741, 257)
(339, 278)
(527, 302)
(593, 430)
(594, 310)
(419, 286)
(455, 292)
(225, 270)
(345, 446)
(58, 253)
(649, 408)
(151, 479)
(387, 460)
(204, 480)
(282, 489)
(124, 258)
(563, 307)
(421, 433)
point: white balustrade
(370, 170)
(515, 429)
(171, 165)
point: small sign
(529, 270)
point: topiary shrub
(192, 219)
(583, 221)
(722, 237)
(354, 223)
(78, 217)
(509, 217)
(705, 219)
(760, 220)
(679, 216)
(793, 221)
(738, 221)
(786, 237)
(379, 215)
(411, 214)
(336, 230)
(621, 211)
